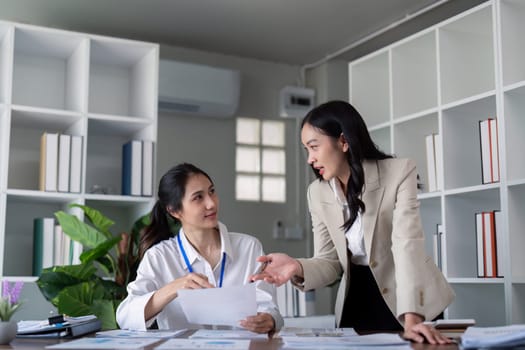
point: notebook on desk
(70, 327)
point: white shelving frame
(444, 80)
(103, 89)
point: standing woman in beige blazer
(367, 232)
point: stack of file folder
(59, 327)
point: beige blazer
(394, 241)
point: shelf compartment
(381, 138)
(27, 127)
(460, 210)
(516, 229)
(514, 105)
(469, 297)
(512, 48)
(370, 88)
(518, 304)
(123, 213)
(49, 69)
(19, 231)
(104, 151)
(128, 73)
(430, 210)
(4, 143)
(467, 55)
(414, 75)
(6, 47)
(461, 142)
(409, 142)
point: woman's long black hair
(172, 188)
(336, 118)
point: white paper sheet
(218, 306)
(230, 344)
(502, 336)
(127, 333)
(104, 343)
(226, 334)
(343, 342)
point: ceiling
(296, 32)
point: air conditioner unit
(188, 88)
(295, 101)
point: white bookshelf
(103, 89)
(445, 79)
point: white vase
(7, 331)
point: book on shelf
(75, 170)
(488, 136)
(488, 262)
(438, 246)
(431, 163)
(294, 303)
(498, 219)
(64, 159)
(132, 168)
(48, 162)
(63, 251)
(147, 168)
(43, 244)
(438, 153)
(280, 297)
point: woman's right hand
(280, 268)
(190, 281)
(166, 294)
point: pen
(259, 270)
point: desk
(256, 344)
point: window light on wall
(260, 160)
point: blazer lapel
(372, 196)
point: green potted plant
(98, 284)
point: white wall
(210, 144)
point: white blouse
(164, 263)
(354, 235)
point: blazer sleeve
(421, 287)
(324, 267)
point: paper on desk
(104, 343)
(504, 336)
(126, 333)
(227, 334)
(344, 342)
(230, 344)
(218, 306)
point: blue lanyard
(188, 265)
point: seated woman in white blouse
(203, 255)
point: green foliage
(98, 284)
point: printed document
(343, 342)
(227, 334)
(127, 333)
(504, 336)
(104, 343)
(218, 306)
(208, 344)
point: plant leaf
(79, 231)
(105, 311)
(53, 280)
(85, 299)
(101, 222)
(100, 250)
